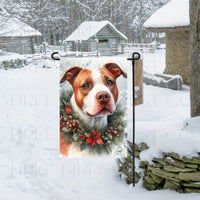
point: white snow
(90, 28)
(30, 166)
(160, 123)
(4, 56)
(12, 27)
(154, 63)
(174, 14)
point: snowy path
(30, 166)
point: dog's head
(95, 91)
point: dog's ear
(115, 69)
(70, 74)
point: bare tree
(58, 19)
(195, 57)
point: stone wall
(172, 172)
(177, 54)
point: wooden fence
(123, 48)
(45, 48)
(130, 47)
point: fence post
(138, 82)
(122, 47)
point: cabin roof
(89, 29)
(13, 27)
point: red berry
(61, 117)
(106, 133)
(111, 128)
(115, 133)
(122, 131)
(62, 124)
(67, 123)
(68, 110)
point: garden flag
(93, 107)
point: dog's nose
(103, 97)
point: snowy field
(30, 166)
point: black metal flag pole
(135, 56)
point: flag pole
(135, 56)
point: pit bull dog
(95, 92)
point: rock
(171, 185)
(143, 164)
(162, 173)
(136, 147)
(129, 161)
(175, 180)
(193, 166)
(137, 154)
(158, 165)
(137, 177)
(176, 163)
(191, 185)
(146, 173)
(142, 147)
(194, 160)
(171, 168)
(157, 179)
(173, 155)
(189, 176)
(129, 179)
(150, 186)
(149, 180)
(159, 160)
(192, 190)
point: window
(103, 41)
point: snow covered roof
(12, 27)
(89, 28)
(172, 15)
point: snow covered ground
(154, 62)
(30, 166)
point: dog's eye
(109, 82)
(86, 85)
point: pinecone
(74, 125)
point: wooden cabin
(92, 36)
(173, 19)
(15, 35)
